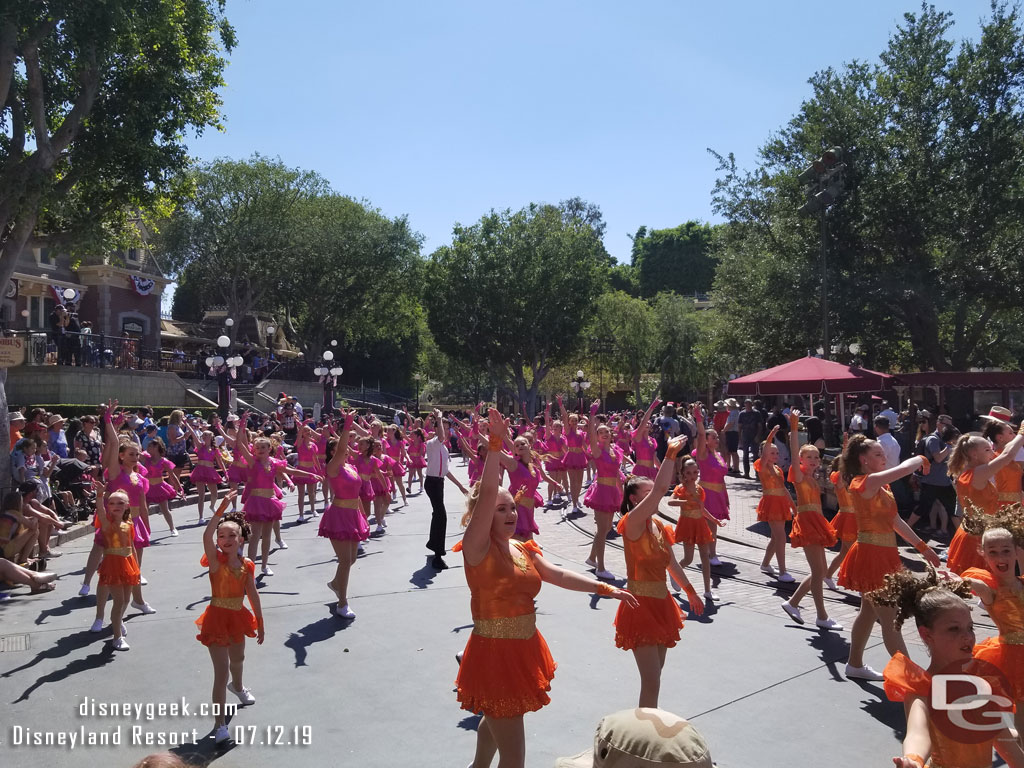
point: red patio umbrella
(810, 375)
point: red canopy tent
(810, 375)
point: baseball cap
(643, 738)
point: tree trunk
(636, 391)
(5, 432)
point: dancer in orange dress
(226, 622)
(973, 465)
(810, 528)
(874, 554)
(998, 431)
(845, 519)
(694, 525)
(944, 624)
(119, 569)
(650, 628)
(506, 668)
(774, 508)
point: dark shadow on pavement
(470, 723)
(889, 713)
(63, 647)
(318, 631)
(64, 609)
(205, 751)
(833, 648)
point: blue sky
(444, 110)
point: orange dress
(692, 526)
(226, 620)
(845, 520)
(809, 526)
(775, 503)
(874, 553)
(904, 679)
(119, 566)
(1008, 484)
(1006, 651)
(657, 620)
(506, 668)
(965, 550)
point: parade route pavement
(378, 691)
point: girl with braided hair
(944, 624)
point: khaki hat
(643, 738)
(15, 416)
(732, 402)
(998, 413)
(54, 419)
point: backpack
(657, 433)
(920, 449)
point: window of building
(132, 255)
(984, 399)
(46, 257)
(39, 309)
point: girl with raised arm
(205, 475)
(575, 457)
(524, 476)
(695, 525)
(712, 478)
(119, 569)
(774, 508)
(645, 449)
(604, 496)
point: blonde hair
(808, 447)
(176, 417)
(961, 454)
(471, 499)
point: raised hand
(594, 408)
(497, 426)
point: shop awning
(813, 376)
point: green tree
(95, 100)
(237, 233)
(925, 252)
(631, 326)
(678, 332)
(513, 293)
(677, 259)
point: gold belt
(809, 508)
(137, 511)
(647, 588)
(120, 551)
(612, 481)
(1009, 495)
(231, 603)
(878, 539)
(345, 503)
(644, 463)
(1012, 638)
(204, 463)
(240, 464)
(307, 463)
(575, 449)
(775, 492)
(507, 628)
(848, 510)
(693, 514)
(263, 493)
(527, 500)
(718, 487)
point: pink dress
(555, 447)
(575, 458)
(523, 482)
(365, 467)
(262, 500)
(309, 461)
(712, 479)
(343, 520)
(605, 493)
(385, 470)
(157, 470)
(136, 486)
(476, 469)
(645, 451)
(238, 470)
(205, 470)
(623, 439)
(393, 448)
(417, 454)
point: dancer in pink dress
(343, 522)
(713, 470)
(575, 459)
(237, 470)
(524, 475)
(160, 469)
(369, 469)
(605, 494)
(204, 475)
(309, 461)
(394, 446)
(380, 483)
(417, 452)
(645, 449)
(555, 448)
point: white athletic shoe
(266, 571)
(863, 673)
(281, 544)
(828, 624)
(606, 575)
(121, 645)
(97, 626)
(344, 612)
(221, 735)
(830, 583)
(174, 531)
(84, 590)
(245, 695)
(785, 577)
(793, 613)
(145, 608)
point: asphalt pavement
(378, 691)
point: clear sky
(444, 110)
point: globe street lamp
(579, 386)
(329, 378)
(224, 367)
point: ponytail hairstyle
(994, 429)
(633, 482)
(924, 599)
(238, 518)
(850, 459)
(471, 499)
(157, 443)
(366, 446)
(961, 455)
(332, 444)
(420, 434)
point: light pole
(329, 378)
(417, 377)
(224, 368)
(579, 386)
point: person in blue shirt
(56, 441)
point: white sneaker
(379, 529)
(675, 584)
(863, 673)
(606, 575)
(281, 544)
(828, 624)
(710, 597)
(124, 630)
(84, 590)
(590, 563)
(266, 571)
(359, 549)
(344, 612)
(145, 608)
(97, 626)
(221, 735)
(174, 531)
(245, 695)
(714, 561)
(786, 578)
(793, 613)
(830, 583)
(202, 521)
(121, 645)
(767, 570)
(142, 581)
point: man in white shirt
(890, 414)
(433, 485)
(889, 443)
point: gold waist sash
(1009, 495)
(527, 500)
(1013, 638)
(612, 481)
(120, 551)
(647, 588)
(264, 493)
(364, 478)
(693, 514)
(878, 539)
(775, 492)
(307, 463)
(345, 503)
(204, 463)
(848, 510)
(809, 508)
(231, 603)
(138, 510)
(644, 463)
(507, 628)
(717, 487)
(575, 449)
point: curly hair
(1010, 519)
(922, 598)
(238, 518)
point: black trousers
(944, 494)
(434, 487)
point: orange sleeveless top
(770, 479)
(1007, 609)
(501, 586)
(648, 557)
(874, 515)
(227, 581)
(1008, 483)
(986, 498)
(119, 537)
(691, 507)
(842, 493)
(808, 494)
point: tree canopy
(677, 259)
